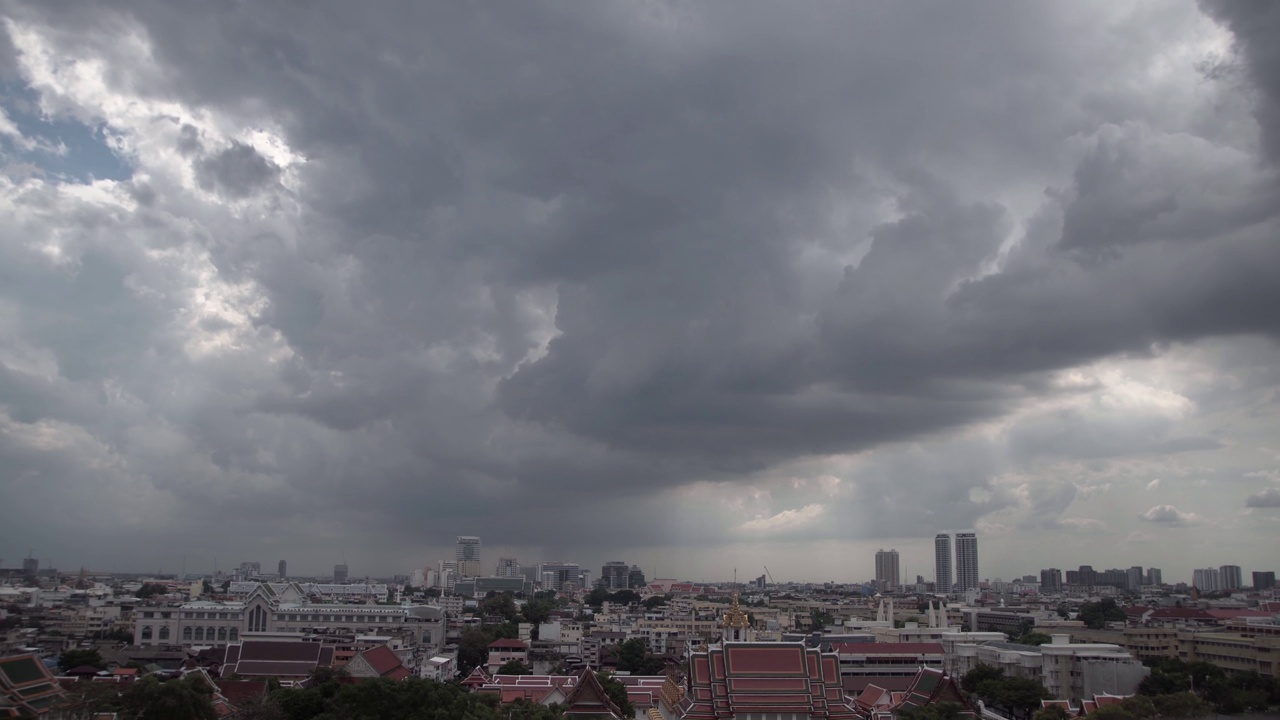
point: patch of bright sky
(61, 147)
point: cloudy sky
(694, 285)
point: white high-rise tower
(942, 562)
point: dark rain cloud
(560, 260)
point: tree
(87, 700)
(1111, 712)
(473, 649)
(654, 601)
(75, 658)
(538, 610)
(1097, 615)
(151, 590)
(525, 710)
(152, 699)
(1053, 712)
(819, 619)
(515, 667)
(617, 692)
(1034, 638)
(625, 597)
(979, 675)
(206, 587)
(596, 597)
(1180, 705)
(1021, 696)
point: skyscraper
(468, 556)
(1050, 580)
(615, 575)
(1136, 577)
(967, 577)
(1154, 576)
(1231, 577)
(1264, 580)
(340, 573)
(1206, 579)
(282, 570)
(942, 562)
(887, 577)
(508, 567)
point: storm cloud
(612, 279)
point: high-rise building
(615, 575)
(559, 575)
(1264, 580)
(249, 570)
(1088, 577)
(467, 553)
(1206, 579)
(1230, 577)
(887, 570)
(1050, 580)
(282, 570)
(1154, 576)
(508, 567)
(635, 577)
(340, 573)
(967, 577)
(942, 562)
(1136, 577)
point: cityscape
(556, 635)
(639, 360)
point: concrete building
(1154, 577)
(1206, 579)
(615, 575)
(560, 576)
(339, 574)
(887, 570)
(1136, 577)
(1230, 577)
(967, 577)
(508, 567)
(1264, 580)
(467, 555)
(1232, 652)
(1075, 671)
(282, 570)
(942, 579)
(1051, 580)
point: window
(186, 634)
(234, 634)
(208, 634)
(222, 633)
(199, 634)
(164, 632)
(146, 632)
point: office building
(1206, 580)
(282, 570)
(1153, 577)
(467, 554)
(615, 575)
(1264, 580)
(887, 569)
(967, 577)
(942, 562)
(1230, 577)
(635, 578)
(339, 574)
(508, 567)
(1051, 580)
(559, 575)
(1136, 577)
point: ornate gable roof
(27, 685)
(588, 698)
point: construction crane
(766, 572)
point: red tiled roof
(382, 659)
(241, 692)
(510, 643)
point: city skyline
(696, 285)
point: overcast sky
(694, 285)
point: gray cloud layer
(568, 276)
